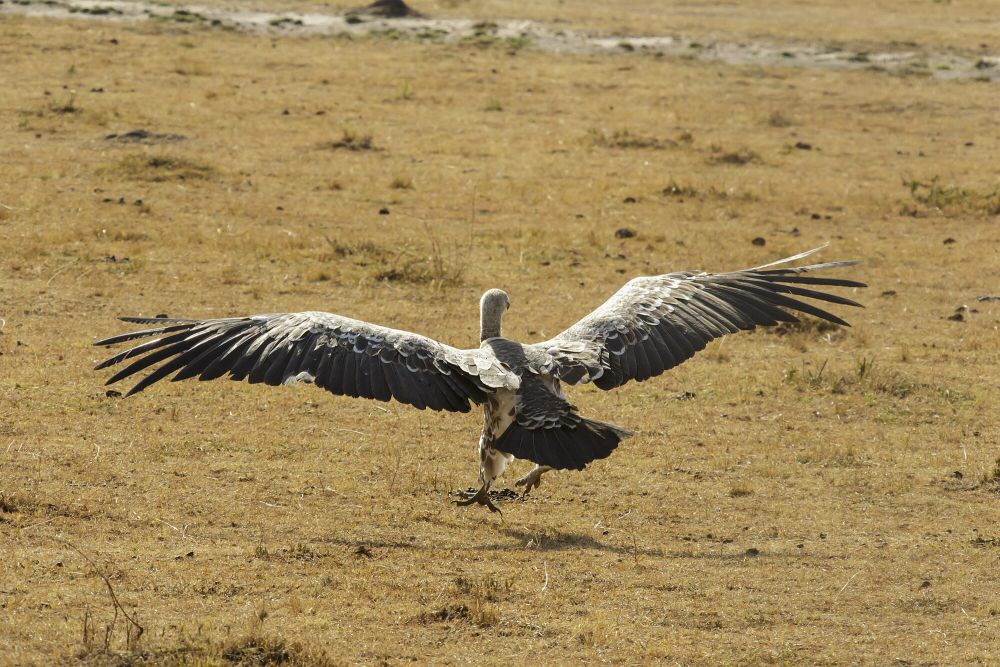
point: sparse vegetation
(951, 199)
(159, 168)
(351, 141)
(624, 138)
(786, 494)
(675, 189)
(778, 119)
(739, 157)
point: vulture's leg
(480, 497)
(491, 465)
(533, 479)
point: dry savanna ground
(808, 495)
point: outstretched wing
(344, 356)
(654, 323)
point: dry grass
(820, 496)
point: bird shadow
(520, 540)
(561, 540)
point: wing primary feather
(814, 294)
(362, 371)
(413, 389)
(787, 302)
(760, 312)
(228, 359)
(132, 335)
(666, 355)
(155, 320)
(155, 357)
(642, 365)
(271, 366)
(141, 349)
(810, 280)
(209, 353)
(380, 387)
(164, 370)
(349, 372)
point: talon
(532, 480)
(480, 497)
(493, 508)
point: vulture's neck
(489, 322)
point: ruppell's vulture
(650, 325)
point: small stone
(625, 233)
(759, 241)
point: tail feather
(562, 448)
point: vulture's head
(492, 306)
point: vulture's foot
(480, 497)
(533, 479)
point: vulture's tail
(562, 447)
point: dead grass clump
(778, 119)
(366, 251)
(485, 40)
(451, 612)
(183, 16)
(429, 265)
(434, 269)
(95, 11)
(953, 198)
(9, 504)
(64, 108)
(799, 335)
(865, 378)
(259, 651)
(14, 504)
(351, 141)
(624, 138)
(160, 168)
(402, 183)
(832, 455)
(739, 157)
(253, 650)
(811, 326)
(991, 480)
(488, 588)
(479, 605)
(675, 189)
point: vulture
(650, 325)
